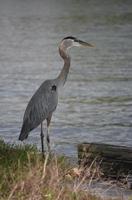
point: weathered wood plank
(129, 182)
(114, 161)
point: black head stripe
(71, 37)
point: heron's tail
(24, 133)
(23, 136)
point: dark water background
(96, 102)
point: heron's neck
(65, 70)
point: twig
(44, 167)
(12, 192)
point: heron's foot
(43, 155)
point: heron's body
(40, 107)
(44, 102)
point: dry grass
(24, 175)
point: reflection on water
(96, 102)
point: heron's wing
(41, 105)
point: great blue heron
(44, 102)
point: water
(96, 102)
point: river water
(95, 104)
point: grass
(24, 174)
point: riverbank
(24, 174)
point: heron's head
(70, 41)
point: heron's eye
(53, 88)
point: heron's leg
(42, 138)
(47, 137)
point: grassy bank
(24, 174)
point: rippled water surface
(95, 105)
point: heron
(44, 101)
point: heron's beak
(85, 44)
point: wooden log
(114, 161)
(129, 182)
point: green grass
(24, 174)
(15, 162)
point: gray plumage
(40, 107)
(44, 102)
